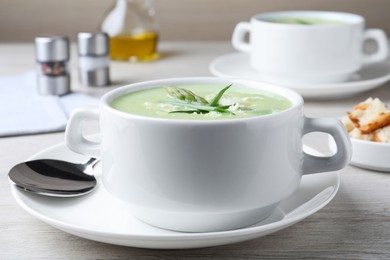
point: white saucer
(237, 65)
(99, 216)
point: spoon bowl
(54, 177)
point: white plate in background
(237, 65)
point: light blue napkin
(24, 111)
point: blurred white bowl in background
(368, 154)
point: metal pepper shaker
(94, 61)
(52, 65)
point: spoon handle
(89, 165)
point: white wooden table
(355, 225)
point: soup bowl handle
(379, 36)
(238, 37)
(74, 138)
(334, 127)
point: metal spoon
(54, 177)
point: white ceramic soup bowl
(310, 54)
(204, 175)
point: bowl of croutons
(368, 125)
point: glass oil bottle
(132, 29)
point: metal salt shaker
(52, 65)
(94, 61)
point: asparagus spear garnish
(202, 108)
(185, 95)
(217, 97)
(197, 104)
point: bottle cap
(92, 44)
(93, 49)
(51, 48)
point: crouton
(369, 120)
(382, 135)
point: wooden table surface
(354, 225)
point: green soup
(236, 102)
(304, 20)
